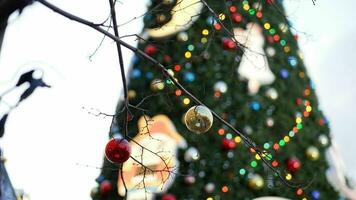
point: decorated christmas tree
(240, 58)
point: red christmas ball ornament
(169, 197)
(167, 59)
(118, 150)
(105, 187)
(228, 144)
(293, 164)
(150, 50)
(228, 44)
(236, 17)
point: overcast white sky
(50, 132)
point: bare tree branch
(165, 72)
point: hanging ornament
(157, 85)
(184, 14)
(270, 51)
(284, 73)
(131, 94)
(189, 77)
(150, 50)
(236, 17)
(272, 93)
(228, 44)
(201, 174)
(269, 122)
(168, 197)
(254, 105)
(182, 36)
(312, 153)
(220, 86)
(254, 65)
(255, 181)
(228, 144)
(117, 150)
(209, 188)
(323, 140)
(292, 61)
(248, 129)
(315, 194)
(136, 73)
(161, 18)
(191, 154)
(293, 164)
(299, 191)
(230, 154)
(190, 180)
(283, 27)
(198, 119)
(105, 187)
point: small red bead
(105, 187)
(228, 43)
(232, 9)
(167, 59)
(275, 163)
(276, 38)
(236, 17)
(150, 50)
(228, 144)
(299, 101)
(293, 164)
(217, 26)
(269, 1)
(177, 67)
(299, 191)
(276, 146)
(168, 197)
(270, 39)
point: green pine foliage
(211, 62)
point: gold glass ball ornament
(191, 154)
(182, 36)
(323, 140)
(270, 51)
(272, 94)
(132, 94)
(255, 182)
(312, 153)
(209, 188)
(157, 85)
(220, 86)
(198, 119)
